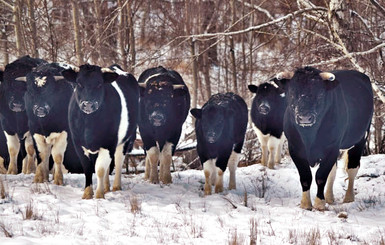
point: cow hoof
(58, 181)
(232, 186)
(106, 190)
(116, 188)
(348, 199)
(167, 180)
(12, 171)
(319, 204)
(271, 166)
(218, 189)
(329, 200)
(99, 195)
(207, 189)
(88, 193)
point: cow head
(89, 83)
(267, 95)
(306, 90)
(157, 96)
(212, 119)
(41, 88)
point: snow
(179, 213)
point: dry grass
(253, 231)
(135, 204)
(3, 189)
(5, 230)
(311, 237)
(235, 239)
(30, 213)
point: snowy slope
(144, 213)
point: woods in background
(217, 45)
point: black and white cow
(102, 118)
(266, 113)
(4, 156)
(326, 112)
(164, 105)
(46, 101)
(220, 128)
(14, 117)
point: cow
(220, 128)
(4, 156)
(267, 110)
(326, 112)
(163, 108)
(14, 117)
(103, 113)
(46, 102)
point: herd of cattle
(84, 120)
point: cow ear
(197, 113)
(109, 77)
(70, 75)
(253, 88)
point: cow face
(15, 95)
(41, 90)
(157, 97)
(306, 93)
(266, 97)
(89, 81)
(212, 119)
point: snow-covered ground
(263, 210)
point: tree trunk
(78, 42)
(195, 76)
(132, 37)
(18, 28)
(206, 74)
(232, 52)
(53, 50)
(122, 30)
(31, 13)
(4, 46)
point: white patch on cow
(66, 66)
(59, 146)
(283, 95)
(152, 159)
(210, 171)
(101, 169)
(123, 125)
(165, 159)
(305, 201)
(119, 71)
(263, 140)
(352, 172)
(87, 152)
(40, 81)
(13, 144)
(232, 165)
(119, 159)
(44, 153)
(30, 165)
(152, 76)
(329, 196)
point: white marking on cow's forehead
(154, 75)
(40, 81)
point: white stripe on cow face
(123, 125)
(154, 75)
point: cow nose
(41, 111)
(264, 109)
(157, 118)
(307, 119)
(17, 106)
(88, 106)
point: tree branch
(10, 6)
(258, 27)
(375, 3)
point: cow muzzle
(211, 137)
(306, 119)
(157, 118)
(264, 108)
(41, 110)
(16, 106)
(89, 107)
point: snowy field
(263, 210)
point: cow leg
(273, 146)
(42, 170)
(107, 181)
(58, 150)
(352, 164)
(219, 181)
(263, 140)
(305, 177)
(329, 196)
(13, 144)
(3, 170)
(322, 174)
(209, 170)
(30, 166)
(101, 169)
(119, 158)
(165, 163)
(87, 167)
(232, 165)
(153, 158)
(279, 149)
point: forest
(216, 45)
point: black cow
(102, 118)
(220, 130)
(4, 156)
(46, 101)
(326, 112)
(267, 110)
(164, 105)
(14, 117)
